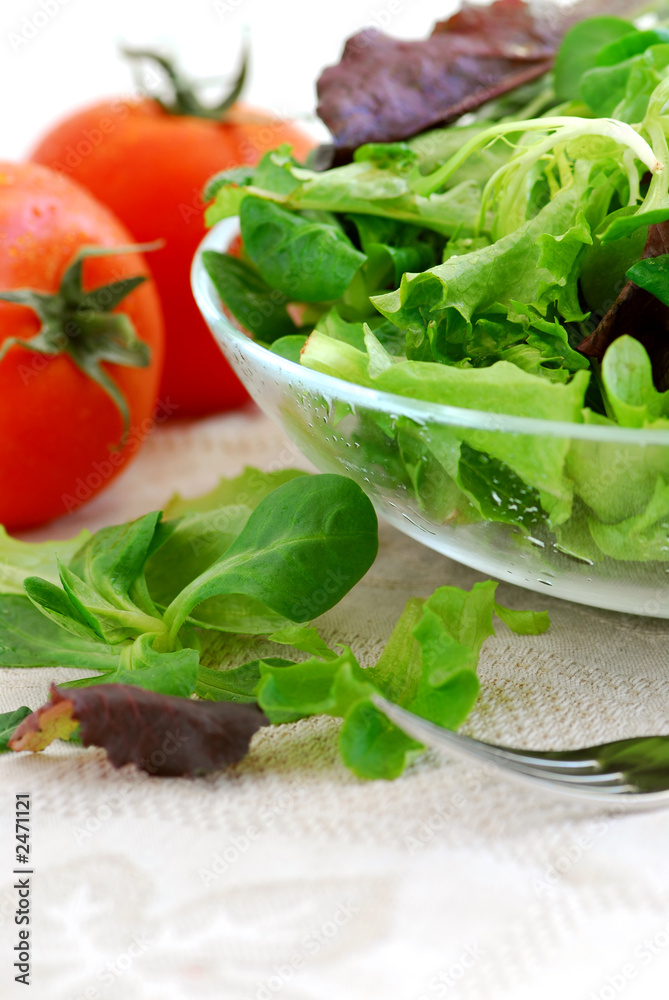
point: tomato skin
(59, 429)
(149, 167)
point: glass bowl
(400, 451)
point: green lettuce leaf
(429, 666)
(450, 304)
(19, 560)
(628, 381)
(8, 723)
(28, 638)
(306, 260)
(643, 537)
(245, 490)
(369, 186)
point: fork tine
(587, 774)
(421, 728)
(522, 765)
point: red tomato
(60, 430)
(149, 167)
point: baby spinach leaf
(301, 550)
(194, 543)
(9, 722)
(160, 734)
(652, 274)
(31, 638)
(191, 545)
(114, 624)
(625, 76)
(259, 308)
(237, 613)
(306, 260)
(579, 50)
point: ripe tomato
(60, 431)
(149, 166)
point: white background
(72, 59)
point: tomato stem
(80, 324)
(184, 98)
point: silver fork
(633, 771)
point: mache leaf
(237, 684)
(259, 308)
(301, 550)
(29, 638)
(173, 672)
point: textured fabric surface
(288, 877)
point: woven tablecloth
(288, 877)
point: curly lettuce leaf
(374, 184)
(452, 305)
(642, 537)
(428, 666)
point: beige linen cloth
(288, 877)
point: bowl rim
(219, 238)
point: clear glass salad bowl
(398, 449)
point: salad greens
(135, 602)
(512, 264)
